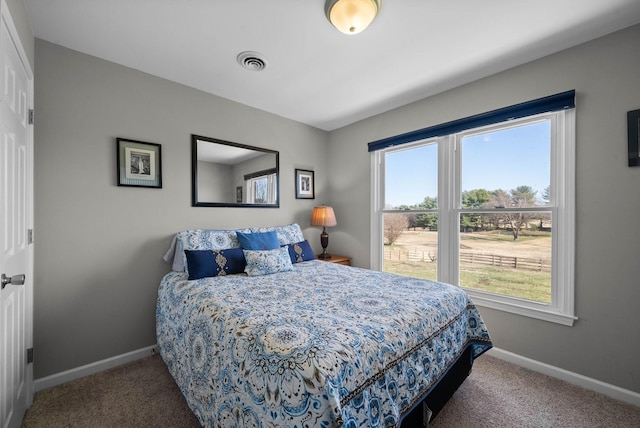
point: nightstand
(335, 258)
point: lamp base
(324, 241)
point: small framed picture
(633, 129)
(239, 194)
(139, 164)
(304, 184)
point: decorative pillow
(206, 263)
(202, 239)
(300, 252)
(286, 234)
(259, 241)
(265, 262)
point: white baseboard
(89, 369)
(604, 388)
(573, 378)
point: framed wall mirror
(227, 174)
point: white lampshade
(323, 216)
(351, 16)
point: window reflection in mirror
(231, 174)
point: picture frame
(239, 194)
(139, 164)
(305, 186)
(633, 131)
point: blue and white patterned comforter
(321, 346)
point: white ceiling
(315, 74)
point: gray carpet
(496, 394)
(501, 394)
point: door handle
(15, 280)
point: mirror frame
(194, 174)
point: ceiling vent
(252, 61)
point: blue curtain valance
(564, 100)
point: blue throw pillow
(259, 241)
(301, 252)
(265, 262)
(207, 263)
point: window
(489, 208)
(410, 214)
(262, 189)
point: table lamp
(325, 217)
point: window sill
(521, 307)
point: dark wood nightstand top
(335, 258)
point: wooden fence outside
(470, 258)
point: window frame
(562, 206)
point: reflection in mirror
(226, 174)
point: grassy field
(526, 284)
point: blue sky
(504, 159)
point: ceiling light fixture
(351, 16)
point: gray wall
(99, 247)
(215, 182)
(604, 343)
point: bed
(307, 343)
